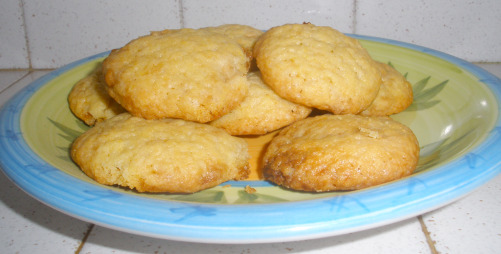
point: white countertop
(469, 225)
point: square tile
(28, 226)
(60, 31)
(493, 68)
(7, 78)
(10, 88)
(470, 225)
(13, 49)
(466, 29)
(263, 14)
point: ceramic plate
(454, 115)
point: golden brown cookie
(341, 152)
(89, 101)
(165, 155)
(244, 35)
(190, 74)
(318, 67)
(394, 96)
(261, 112)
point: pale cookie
(165, 155)
(189, 74)
(394, 96)
(244, 35)
(318, 67)
(261, 112)
(341, 152)
(89, 101)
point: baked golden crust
(89, 101)
(166, 155)
(340, 152)
(261, 112)
(191, 74)
(394, 96)
(318, 67)
(201, 76)
(244, 35)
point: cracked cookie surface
(340, 152)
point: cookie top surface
(166, 155)
(341, 152)
(191, 74)
(261, 112)
(244, 35)
(395, 93)
(89, 101)
(318, 67)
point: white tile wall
(61, 31)
(467, 29)
(264, 14)
(13, 48)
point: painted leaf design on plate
(99, 195)
(206, 196)
(245, 197)
(69, 135)
(424, 98)
(190, 211)
(343, 203)
(444, 148)
(12, 135)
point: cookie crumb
(369, 132)
(249, 189)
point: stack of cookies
(169, 110)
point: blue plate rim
(249, 223)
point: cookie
(394, 96)
(318, 67)
(340, 152)
(192, 74)
(165, 155)
(89, 101)
(261, 112)
(244, 35)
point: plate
(455, 116)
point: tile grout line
(354, 19)
(15, 82)
(84, 239)
(26, 38)
(181, 13)
(426, 233)
(28, 69)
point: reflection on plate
(454, 116)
